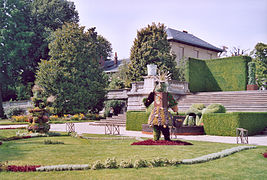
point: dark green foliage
(251, 73)
(135, 119)
(225, 74)
(225, 124)
(73, 74)
(116, 105)
(151, 47)
(261, 63)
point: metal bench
(112, 128)
(241, 134)
(70, 127)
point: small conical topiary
(38, 119)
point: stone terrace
(234, 101)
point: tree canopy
(25, 28)
(151, 46)
(73, 75)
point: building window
(196, 54)
(180, 53)
(210, 55)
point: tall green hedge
(135, 119)
(225, 124)
(224, 74)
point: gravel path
(86, 128)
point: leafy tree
(261, 63)
(120, 79)
(47, 16)
(151, 46)
(105, 48)
(72, 75)
(25, 28)
(15, 41)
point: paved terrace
(86, 128)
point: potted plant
(251, 77)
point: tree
(15, 41)
(73, 75)
(261, 63)
(151, 46)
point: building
(184, 44)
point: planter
(251, 87)
(151, 70)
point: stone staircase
(234, 101)
(119, 119)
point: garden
(113, 157)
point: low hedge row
(135, 119)
(225, 124)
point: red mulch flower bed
(13, 128)
(161, 142)
(265, 155)
(26, 168)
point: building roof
(190, 39)
(110, 66)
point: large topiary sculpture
(195, 112)
(38, 119)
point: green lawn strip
(243, 165)
(6, 133)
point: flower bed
(13, 128)
(161, 142)
(26, 168)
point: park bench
(242, 134)
(113, 128)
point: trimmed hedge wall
(225, 124)
(224, 74)
(135, 119)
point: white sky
(231, 23)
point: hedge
(225, 124)
(135, 119)
(224, 74)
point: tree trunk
(1, 103)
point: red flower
(265, 155)
(26, 168)
(161, 142)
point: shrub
(135, 119)
(14, 111)
(98, 165)
(141, 163)
(225, 124)
(251, 73)
(117, 106)
(126, 164)
(111, 163)
(160, 162)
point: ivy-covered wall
(224, 74)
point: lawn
(248, 164)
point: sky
(231, 23)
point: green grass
(248, 164)
(9, 122)
(6, 133)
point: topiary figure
(193, 115)
(214, 108)
(38, 119)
